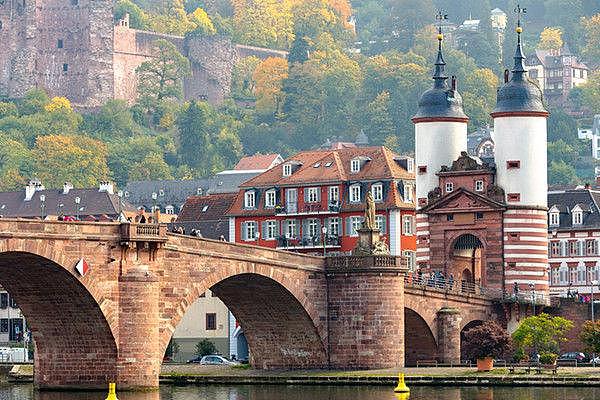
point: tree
(591, 49)
(76, 159)
(137, 17)
(114, 121)
(194, 134)
(266, 23)
(550, 39)
(486, 340)
(152, 167)
(268, 79)
(561, 173)
(561, 151)
(590, 93)
(205, 347)
(562, 126)
(590, 336)
(378, 123)
(542, 333)
(479, 96)
(161, 77)
(242, 82)
(202, 23)
(128, 154)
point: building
(12, 320)
(574, 241)
(592, 134)
(207, 215)
(258, 162)
(483, 221)
(314, 201)
(74, 49)
(556, 72)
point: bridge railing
(472, 288)
(366, 262)
(143, 232)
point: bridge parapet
(152, 233)
(366, 263)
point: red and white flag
(82, 267)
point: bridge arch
(419, 341)
(281, 324)
(70, 330)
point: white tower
(520, 146)
(440, 137)
(440, 129)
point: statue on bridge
(369, 222)
(369, 241)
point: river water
(276, 392)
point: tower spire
(440, 76)
(519, 68)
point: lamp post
(42, 205)
(120, 195)
(154, 197)
(594, 283)
(324, 232)
(532, 287)
(77, 202)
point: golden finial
(441, 17)
(440, 36)
(519, 29)
(519, 11)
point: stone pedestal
(369, 243)
(448, 322)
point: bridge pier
(448, 323)
(139, 359)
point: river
(276, 392)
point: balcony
(309, 242)
(150, 233)
(292, 208)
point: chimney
(106, 186)
(33, 186)
(67, 187)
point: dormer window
(170, 210)
(270, 198)
(449, 187)
(287, 170)
(554, 219)
(377, 191)
(355, 165)
(250, 199)
(577, 216)
(355, 193)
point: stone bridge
(114, 322)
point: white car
(216, 360)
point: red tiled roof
(257, 161)
(215, 207)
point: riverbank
(427, 376)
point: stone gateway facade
(72, 48)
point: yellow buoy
(402, 396)
(112, 392)
(401, 388)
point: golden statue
(369, 213)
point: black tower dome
(519, 94)
(441, 101)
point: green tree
(161, 78)
(561, 173)
(242, 81)
(591, 29)
(137, 17)
(194, 134)
(127, 154)
(33, 102)
(378, 123)
(562, 126)
(152, 167)
(114, 121)
(479, 96)
(590, 93)
(590, 336)
(542, 333)
(205, 347)
(202, 23)
(267, 23)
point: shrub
(590, 336)
(486, 340)
(542, 333)
(548, 358)
(205, 347)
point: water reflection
(265, 392)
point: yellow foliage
(268, 78)
(167, 121)
(551, 39)
(58, 104)
(591, 27)
(202, 21)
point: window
(380, 224)
(355, 165)
(317, 165)
(65, 67)
(59, 43)
(204, 209)
(250, 199)
(513, 164)
(580, 247)
(577, 217)
(312, 228)
(409, 193)
(514, 197)
(554, 249)
(410, 164)
(449, 217)
(334, 227)
(4, 325)
(170, 210)
(591, 247)
(410, 258)
(478, 215)
(479, 186)
(555, 276)
(563, 272)
(290, 228)
(287, 170)
(270, 230)
(249, 230)
(161, 192)
(407, 225)
(355, 194)
(199, 192)
(211, 321)
(563, 248)
(573, 248)
(554, 219)
(3, 300)
(328, 164)
(422, 169)
(312, 195)
(355, 225)
(270, 198)
(377, 191)
(334, 194)
(581, 273)
(74, 2)
(449, 187)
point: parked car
(595, 360)
(212, 360)
(573, 356)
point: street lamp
(324, 231)
(154, 197)
(120, 194)
(42, 204)
(532, 288)
(77, 202)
